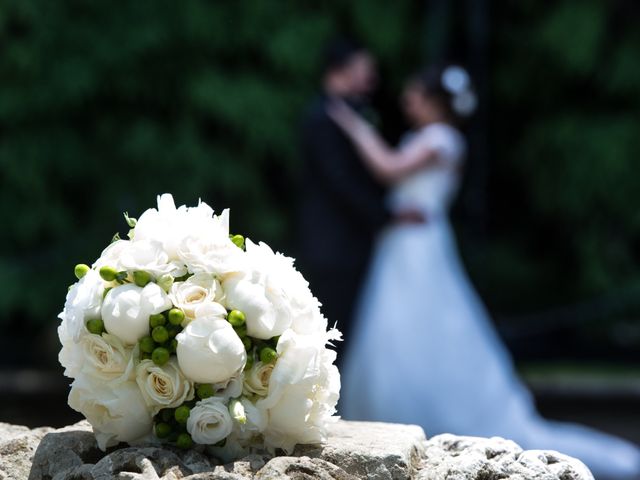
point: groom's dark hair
(339, 52)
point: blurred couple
(381, 256)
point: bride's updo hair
(451, 86)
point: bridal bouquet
(186, 334)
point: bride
(427, 352)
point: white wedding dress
(424, 350)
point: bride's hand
(345, 116)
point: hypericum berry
(236, 318)
(108, 273)
(141, 278)
(184, 441)
(182, 414)
(205, 390)
(160, 334)
(163, 430)
(160, 356)
(268, 355)
(81, 270)
(96, 326)
(176, 316)
(157, 320)
(238, 241)
(147, 345)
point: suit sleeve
(334, 165)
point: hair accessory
(457, 82)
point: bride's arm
(386, 163)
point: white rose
(82, 304)
(270, 292)
(210, 250)
(209, 421)
(163, 386)
(126, 310)
(210, 351)
(244, 435)
(149, 256)
(256, 380)
(303, 391)
(106, 359)
(198, 297)
(117, 414)
(170, 225)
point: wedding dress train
(424, 350)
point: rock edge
(354, 450)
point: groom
(341, 204)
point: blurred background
(104, 106)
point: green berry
(145, 356)
(160, 356)
(236, 318)
(166, 414)
(157, 320)
(205, 390)
(160, 334)
(246, 341)
(238, 241)
(163, 430)
(268, 355)
(173, 345)
(182, 414)
(81, 270)
(173, 331)
(147, 345)
(176, 316)
(95, 326)
(108, 274)
(184, 441)
(141, 278)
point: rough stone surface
(372, 450)
(17, 448)
(452, 457)
(355, 450)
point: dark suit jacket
(342, 206)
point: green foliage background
(565, 188)
(104, 105)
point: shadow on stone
(64, 450)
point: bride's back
(433, 188)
